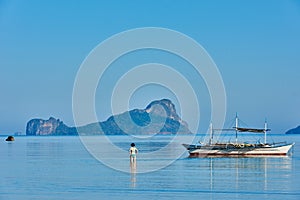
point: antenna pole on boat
(236, 126)
(265, 131)
(211, 133)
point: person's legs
(131, 159)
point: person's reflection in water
(133, 174)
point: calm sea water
(62, 168)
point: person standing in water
(133, 152)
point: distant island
(172, 125)
(294, 131)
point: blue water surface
(60, 167)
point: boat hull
(209, 151)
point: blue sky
(255, 45)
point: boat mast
(265, 131)
(236, 127)
(211, 133)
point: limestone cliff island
(173, 124)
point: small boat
(10, 139)
(238, 149)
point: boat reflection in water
(244, 174)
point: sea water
(60, 167)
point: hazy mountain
(293, 131)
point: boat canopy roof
(252, 130)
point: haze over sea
(59, 167)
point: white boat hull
(205, 151)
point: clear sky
(255, 44)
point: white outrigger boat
(238, 149)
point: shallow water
(62, 168)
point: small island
(294, 131)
